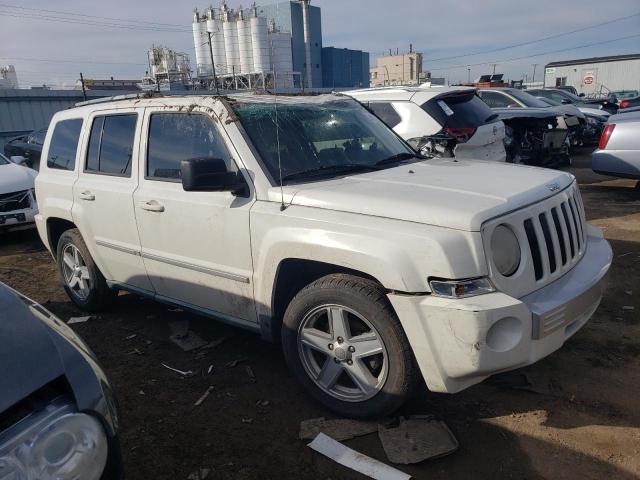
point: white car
(311, 221)
(439, 121)
(17, 195)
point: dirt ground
(580, 418)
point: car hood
(511, 113)
(29, 358)
(594, 111)
(14, 178)
(458, 194)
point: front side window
(321, 138)
(174, 137)
(527, 99)
(111, 144)
(64, 144)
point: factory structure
(269, 46)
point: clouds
(438, 29)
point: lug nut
(349, 362)
(340, 339)
(352, 349)
(331, 346)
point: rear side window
(497, 100)
(460, 111)
(385, 112)
(174, 137)
(64, 144)
(111, 144)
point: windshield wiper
(397, 158)
(340, 168)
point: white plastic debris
(343, 455)
(78, 319)
(204, 396)
(183, 373)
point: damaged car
(58, 417)
(28, 146)
(18, 204)
(438, 121)
(305, 219)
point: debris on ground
(234, 363)
(210, 369)
(73, 320)
(188, 373)
(339, 429)
(200, 474)
(628, 307)
(131, 337)
(247, 420)
(354, 460)
(135, 351)
(204, 396)
(185, 338)
(416, 439)
(250, 373)
(214, 343)
(263, 403)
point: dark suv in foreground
(58, 416)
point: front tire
(82, 280)
(345, 345)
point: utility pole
(494, 68)
(533, 79)
(468, 74)
(213, 65)
(84, 91)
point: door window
(174, 137)
(111, 145)
(385, 112)
(64, 144)
(497, 100)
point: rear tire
(82, 280)
(364, 369)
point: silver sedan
(618, 152)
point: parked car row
(28, 147)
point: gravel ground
(580, 419)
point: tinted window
(385, 112)
(177, 136)
(497, 100)
(528, 99)
(460, 111)
(64, 144)
(111, 144)
(3, 160)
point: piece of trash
(629, 292)
(262, 403)
(214, 343)
(131, 337)
(73, 320)
(176, 310)
(184, 374)
(628, 307)
(340, 429)
(190, 341)
(418, 438)
(247, 420)
(204, 396)
(234, 363)
(141, 392)
(250, 373)
(135, 351)
(210, 369)
(343, 455)
(200, 474)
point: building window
(561, 81)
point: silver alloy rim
(75, 271)
(342, 353)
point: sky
(52, 48)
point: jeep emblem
(553, 187)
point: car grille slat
(534, 248)
(560, 235)
(15, 201)
(578, 218)
(567, 222)
(546, 232)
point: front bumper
(458, 343)
(18, 219)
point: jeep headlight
(54, 444)
(505, 249)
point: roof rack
(128, 96)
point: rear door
(103, 196)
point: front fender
(400, 255)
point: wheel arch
(56, 226)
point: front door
(195, 245)
(103, 196)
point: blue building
(344, 68)
(288, 17)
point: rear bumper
(458, 343)
(618, 163)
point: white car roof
(417, 95)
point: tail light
(606, 135)
(624, 104)
(461, 134)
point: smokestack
(411, 48)
(307, 41)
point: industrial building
(344, 68)
(399, 69)
(168, 70)
(597, 75)
(8, 77)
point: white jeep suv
(309, 220)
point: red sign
(588, 79)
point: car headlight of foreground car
(505, 249)
(57, 443)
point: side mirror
(20, 160)
(210, 174)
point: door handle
(87, 195)
(152, 206)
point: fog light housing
(461, 288)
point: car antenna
(275, 105)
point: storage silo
(259, 41)
(230, 32)
(281, 58)
(245, 48)
(214, 26)
(201, 44)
